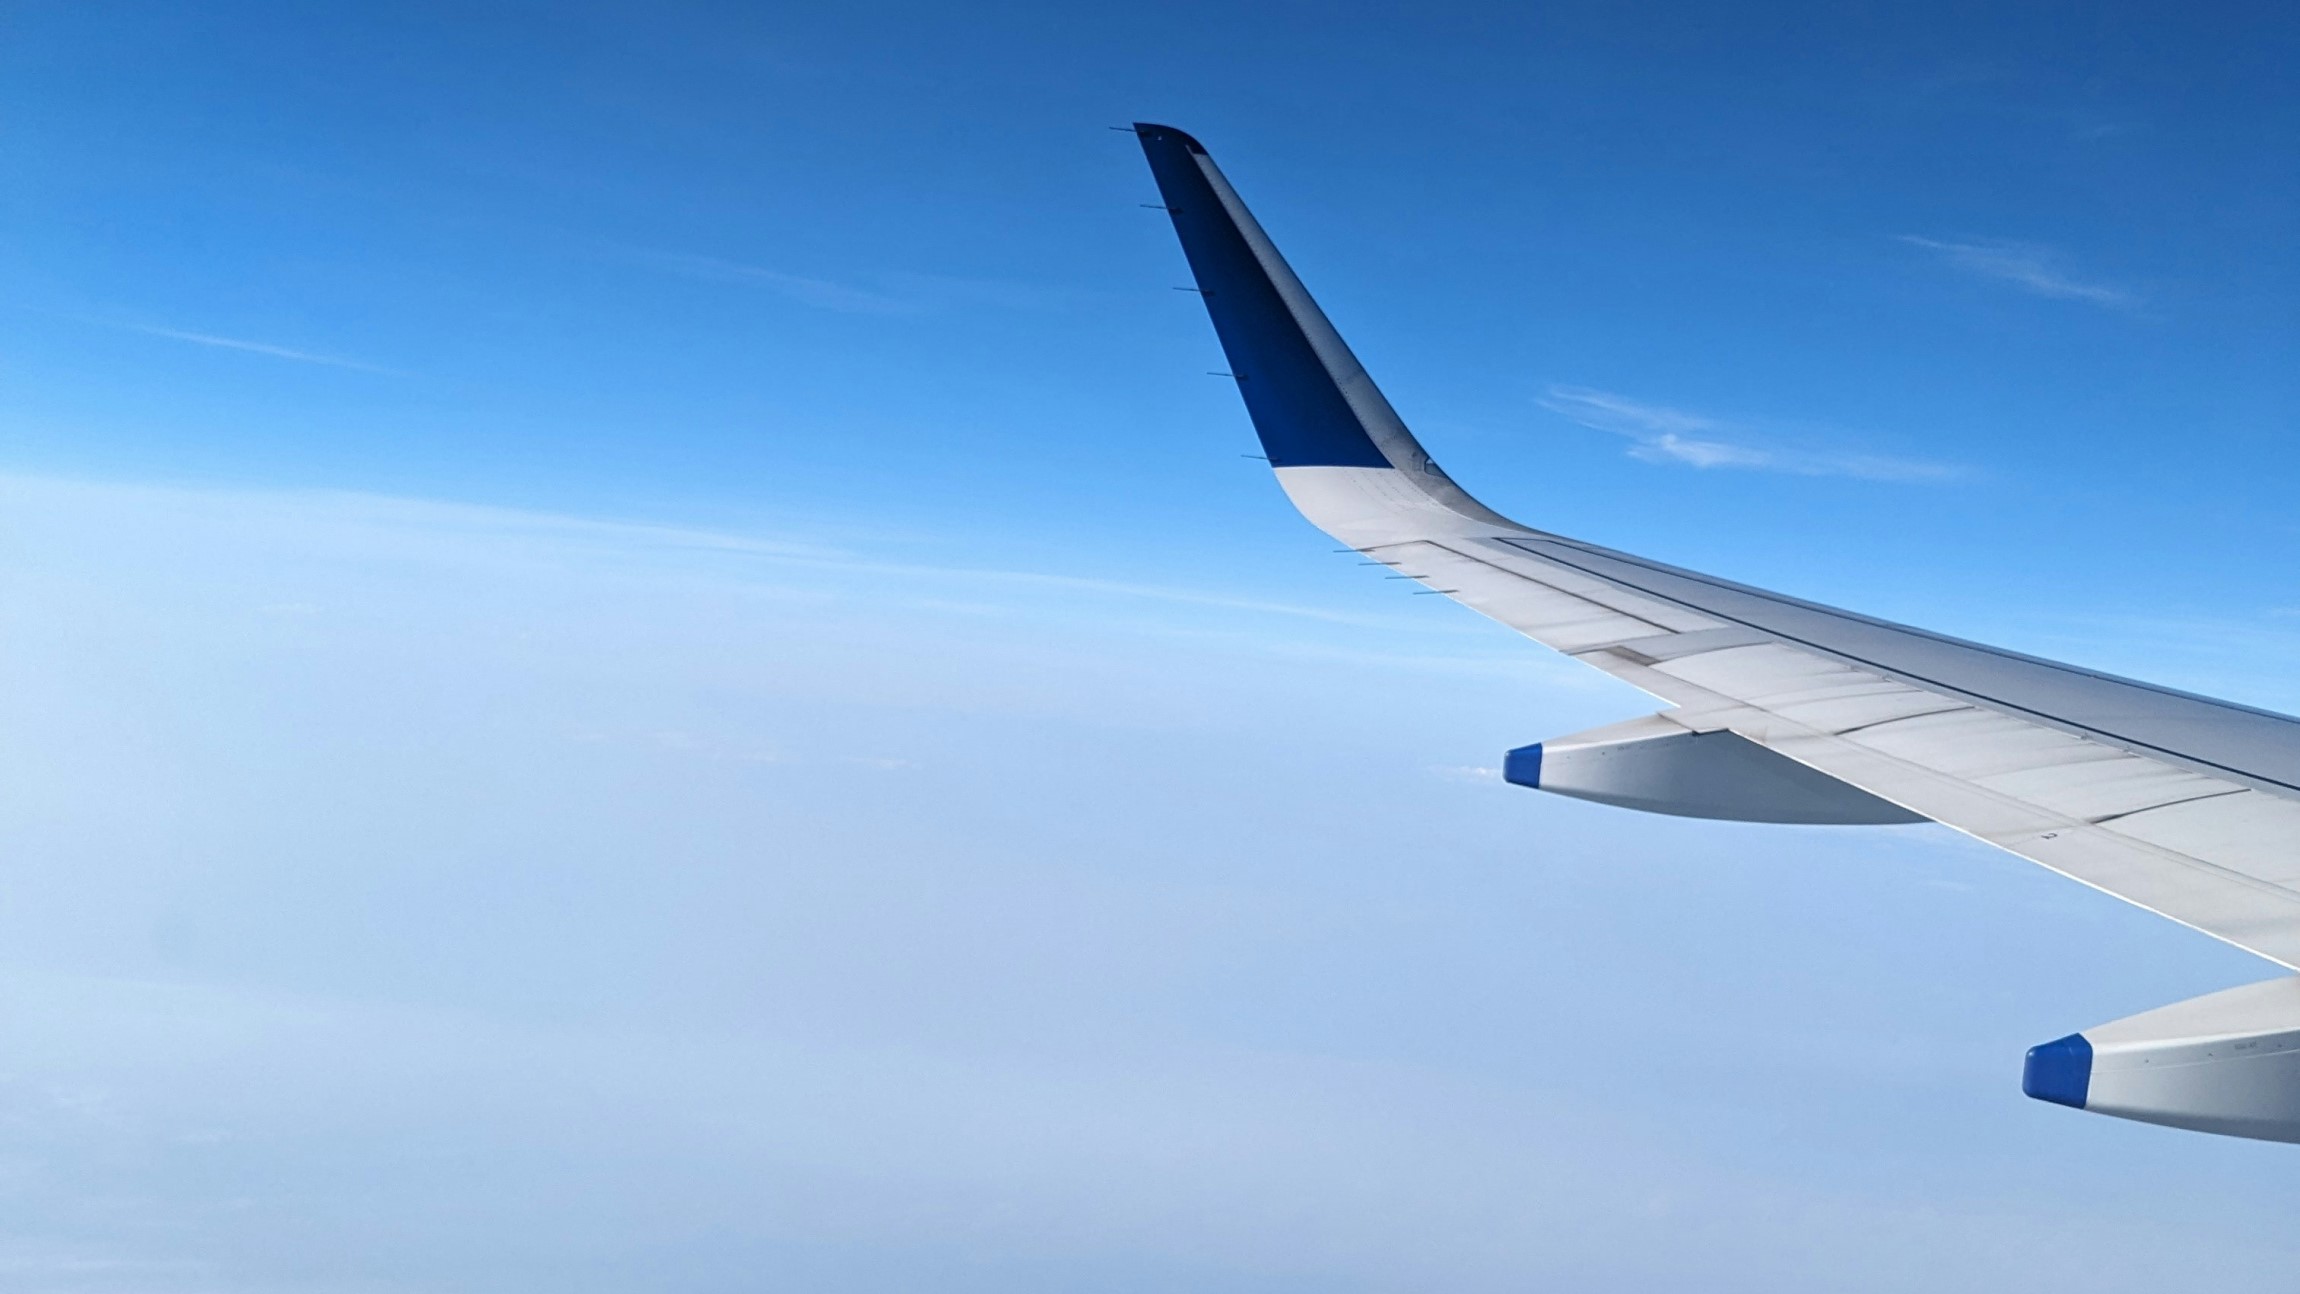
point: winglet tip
(1152, 130)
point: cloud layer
(416, 898)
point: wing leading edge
(2181, 804)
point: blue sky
(640, 655)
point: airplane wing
(2184, 805)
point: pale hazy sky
(635, 657)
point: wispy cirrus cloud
(894, 293)
(823, 294)
(252, 347)
(1661, 434)
(2033, 269)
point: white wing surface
(2184, 805)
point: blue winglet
(2059, 1071)
(1522, 767)
(1298, 410)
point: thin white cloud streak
(822, 294)
(900, 293)
(475, 519)
(514, 535)
(1661, 434)
(2027, 267)
(254, 347)
(1476, 774)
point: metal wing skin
(2184, 805)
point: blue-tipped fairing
(1522, 767)
(2059, 1071)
